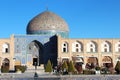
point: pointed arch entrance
(6, 62)
(92, 62)
(107, 61)
(79, 61)
(35, 53)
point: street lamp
(35, 75)
(35, 66)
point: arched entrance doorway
(6, 62)
(35, 53)
(107, 62)
(78, 60)
(92, 62)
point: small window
(105, 45)
(64, 44)
(64, 50)
(91, 50)
(91, 45)
(6, 50)
(77, 50)
(105, 50)
(76, 45)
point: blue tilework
(21, 43)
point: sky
(86, 18)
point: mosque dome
(47, 23)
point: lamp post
(35, 75)
(35, 66)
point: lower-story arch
(6, 63)
(78, 60)
(107, 62)
(92, 62)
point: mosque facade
(47, 38)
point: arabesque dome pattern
(47, 21)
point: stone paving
(30, 76)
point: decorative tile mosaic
(21, 44)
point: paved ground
(30, 76)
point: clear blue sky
(86, 18)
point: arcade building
(47, 37)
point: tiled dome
(47, 21)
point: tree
(48, 67)
(71, 67)
(117, 67)
(64, 66)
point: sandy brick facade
(112, 54)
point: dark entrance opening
(108, 65)
(35, 61)
(35, 53)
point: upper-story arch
(77, 46)
(65, 47)
(106, 46)
(92, 46)
(6, 48)
(117, 46)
